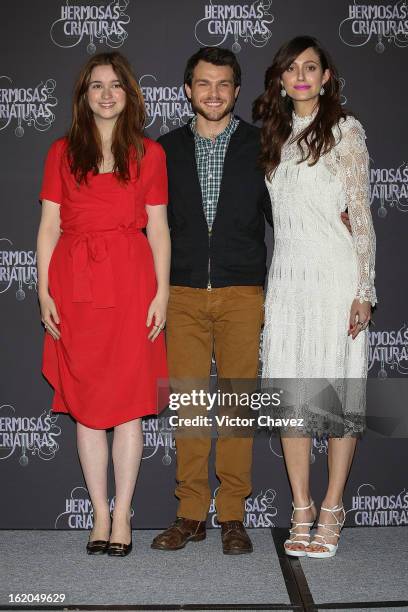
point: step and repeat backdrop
(43, 44)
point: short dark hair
(213, 55)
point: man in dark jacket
(218, 202)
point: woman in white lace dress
(320, 287)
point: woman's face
(304, 78)
(105, 95)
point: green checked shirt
(210, 156)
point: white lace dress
(318, 269)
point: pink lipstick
(302, 87)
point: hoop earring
(322, 92)
(283, 92)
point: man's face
(212, 92)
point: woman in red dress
(103, 286)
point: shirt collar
(226, 133)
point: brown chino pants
(228, 321)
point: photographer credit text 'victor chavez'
(221, 401)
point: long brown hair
(84, 141)
(275, 112)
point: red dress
(104, 370)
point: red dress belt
(93, 279)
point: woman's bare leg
(297, 458)
(127, 452)
(93, 454)
(340, 457)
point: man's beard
(214, 115)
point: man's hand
(346, 220)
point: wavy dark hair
(84, 141)
(275, 112)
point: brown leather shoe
(179, 533)
(235, 540)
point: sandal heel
(293, 534)
(331, 548)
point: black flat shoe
(115, 549)
(97, 547)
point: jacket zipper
(209, 261)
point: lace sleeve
(354, 174)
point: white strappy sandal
(331, 548)
(294, 535)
